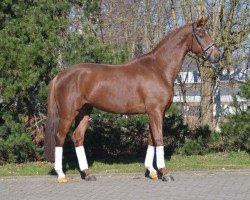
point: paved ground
(213, 185)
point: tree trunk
(208, 80)
(173, 13)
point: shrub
(235, 132)
(113, 135)
(235, 129)
(16, 142)
(110, 135)
(192, 147)
(19, 148)
(196, 142)
(174, 132)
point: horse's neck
(171, 51)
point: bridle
(205, 50)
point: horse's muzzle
(216, 66)
(215, 61)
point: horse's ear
(201, 22)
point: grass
(218, 161)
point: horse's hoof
(153, 175)
(62, 180)
(167, 178)
(90, 177)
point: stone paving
(198, 185)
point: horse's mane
(162, 42)
(167, 37)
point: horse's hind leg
(63, 127)
(78, 139)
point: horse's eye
(200, 34)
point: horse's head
(203, 44)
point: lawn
(218, 161)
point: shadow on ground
(71, 163)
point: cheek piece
(207, 51)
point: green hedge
(112, 136)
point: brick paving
(198, 185)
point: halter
(206, 55)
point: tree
(138, 24)
(230, 28)
(141, 24)
(30, 39)
(37, 40)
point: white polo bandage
(81, 156)
(150, 158)
(58, 162)
(160, 157)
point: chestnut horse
(144, 85)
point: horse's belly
(118, 104)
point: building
(226, 92)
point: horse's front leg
(156, 124)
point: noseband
(205, 50)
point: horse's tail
(52, 122)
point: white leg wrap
(58, 162)
(160, 157)
(150, 158)
(81, 156)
